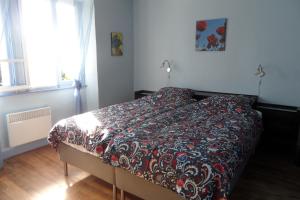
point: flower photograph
(116, 44)
(211, 35)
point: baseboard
(10, 152)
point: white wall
(263, 32)
(115, 73)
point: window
(40, 43)
(12, 70)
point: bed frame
(118, 177)
(198, 95)
(121, 178)
(88, 163)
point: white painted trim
(13, 88)
(12, 61)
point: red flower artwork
(221, 30)
(212, 41)
(201, 25)
(211, 34)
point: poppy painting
(211, 35)
(116, 44)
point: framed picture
(211, 34)
(116, 44)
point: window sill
(37, 90)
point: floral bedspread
(94, 130)
(195, 150)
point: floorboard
(38, 175)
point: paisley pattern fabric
(192, 148)
(195, 150)
(93, 130)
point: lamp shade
(168, 69)
(167, 66)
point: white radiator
(28, 126)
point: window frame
(60, 83)
(14, 88)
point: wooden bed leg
(66, 168)
(122, 195)
(114, 192)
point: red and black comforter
(94, 130)
(195, 150)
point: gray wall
(115, 73)
(259, 32)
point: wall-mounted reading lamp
(167, 65)
(260, 73)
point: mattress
(80, 148)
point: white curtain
(85, 14)
(11, 57)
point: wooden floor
(38, 175)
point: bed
(82, 139)
(196, 151)
(129, 156)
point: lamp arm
(165, 62)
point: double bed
(164, 146)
